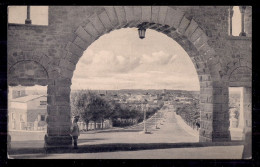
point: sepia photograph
(129, 82)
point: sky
(121, 60)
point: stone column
(241, 112)
(231, 12)
(242, 10)
(248, 21)
(28, 20)
(247, 137)
(214, 125)
(58, 119)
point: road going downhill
(170, 140)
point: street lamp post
(144, 110)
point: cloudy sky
(120, 60)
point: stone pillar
(247, 137)
(214, 124)
(248, 21)
(242, 10)
(231, 12)
(28, 19)
(58, 119)
(241, 112)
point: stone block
(51, 99)
(53, 131)
(63, 82)
(90, 28)
(66, 73)
(190, 29)
(155, 14)
(64, 110)
(82, 44)
(72, 58)
(81, 32)
(121, 15)
(197, 33)
(53, 74)
(65, 130)
(129, 10)
(174, 17)
(183, 25)
(94, 19)
(138, 13)
(162, 14)
(146, 13)
(74, 49)
(200, 41)
(62, 100)
(42, 82)
(106, 21)
(58, 141)
(67, 64)
(112, 15)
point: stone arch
(30, 73)
(173, 23)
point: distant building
(27, 112)
(16, 92)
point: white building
(27, 113)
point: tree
(90, 106)
(80, 106)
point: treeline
(190, 113)
(92, 107)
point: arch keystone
(138, 13)
(146, 13)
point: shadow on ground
(113, 147)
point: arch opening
(213, 90)
(127, 70)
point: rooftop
(25, 99)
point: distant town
(28, 108)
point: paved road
(169, 141)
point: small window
(18, 93)
(42, 117)
(43, 103)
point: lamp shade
(141, 32)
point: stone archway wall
(173, 23)
(201, 30)
(28, 69)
